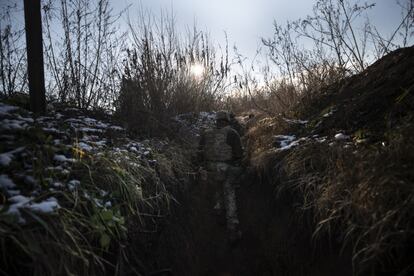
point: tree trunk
(33, 22)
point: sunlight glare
(197, 70)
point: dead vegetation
(109, 196)
(358, 190)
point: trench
(274, 240)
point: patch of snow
(117, 128)
(321, 139)
(57, 185)
(52, 130)
(294, 121)
(27, 120)
(57, 168)
(288, 141)
(6, 183)
(85, 146)
(88, 129)
(100, 143)
(47, 206)
(103, 193)
(73, 120)
(73, 184)
(18, 201)
(43, 118)
(62, 158)
(6, 109)
(12, 124)
(89, 120)
(98, 202)
(65, 172)
(329, 114)
(361, 141)
(341, 136)
(284, 140)
(5, 159)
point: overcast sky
(245, 21)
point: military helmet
(222, 115)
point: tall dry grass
(166, 74)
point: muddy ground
(275, 240)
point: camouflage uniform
(221, 151)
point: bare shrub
(159, 80)
(401, 36)
(13, 72)
(305, 55)
(82, 51)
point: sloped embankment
(78, 197)
(348, 170)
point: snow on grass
(340, 136)
(22, 202)
(6, 109)
(52, 130)
(62, 158)
(321, 139)
(90, 125)
(329, 114)
(284, 140)
(89, 129)
(47, 206)
(6, 183)
(73, 184)
(17, 202)
(12, 124)
(7, 157)
(100, 143)
(116, 128)
(85, 146)
(25, 119)
(58, 171)
(94, 123)
(293, 121)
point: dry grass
(87, 238)
(361, 196)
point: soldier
(234, 123)
(221, 152)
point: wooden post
(35, 67)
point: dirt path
(271, 242)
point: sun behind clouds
(197, 70)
